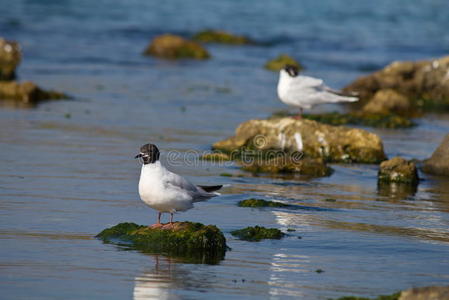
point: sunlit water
(67, 168)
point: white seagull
(304, 91)
(166, 191)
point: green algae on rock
(394, 296)
(175, 47)
(221, 37)
(192, 242)
(308, 137)
(26, 92)
(398, 170)
(10, 57)
(253, 202)
(257, 233)
(216, 157)
(278, 63)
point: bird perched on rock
(166, 191)
(305, 92)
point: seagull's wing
(174, 181)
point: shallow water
(67, 167)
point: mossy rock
(398, 170)
(175, 47)
(221, 37)
(377, 120)
(216, 157)
(394, 296)
(192, 242)
(279, 63)
(10, 57)
(257, 233)
(260, 203)
(26, 92)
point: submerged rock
(279, 63)
(193, 242)
(175, 47)
(398, 170)
(423, 83)
(221, 37)
(26, 92)
(10, 56)
(438, 163)
(257, 233)
(260, 203)
(394, 296)
(310, 138)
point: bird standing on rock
(166, 191)
(305, 92)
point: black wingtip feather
(211, 188)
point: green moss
(260, 203)
(226, 174)
(394, 296)
(279, 63)
(193, 242)
(221, 37)
(216, 157)
(257, 233)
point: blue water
(67, 168)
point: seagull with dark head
(305, 92)
(166, 191)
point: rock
(257, 233)
(193, 242)
(315, 167)
(216, 157)
(279, 63)
(426, 293)
(388, 101)
(175, 47)
(398, 170)
(260, 203)
(26, 92)
(313, 139)
(221, 37)
(10, 56)
(438, 163)
(394, 296)
(425, 84)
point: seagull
(305, 92)
(166, 191)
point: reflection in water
(396, 191)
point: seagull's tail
(211, 188)
(339, 96)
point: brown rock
(388, 101)
(10, 56)
(175, 47)
(398, 170)
(313, 139)
(26, 92)
(426, 293)
(438, 163)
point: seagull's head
(291, 70)
(149, 154)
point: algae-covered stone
(260, 203)
(438, 163)
(10, 56)
(221, 37)
(423, 83)
(194, 242)
(216, 157)
(315, 167)
(175, 47)
(394, 296)
(279, 63)
(313, 139)
(257, 233)
(26, 92)
(398, 170)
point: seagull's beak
(138, 156)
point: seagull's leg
(299, 116)
(159, 217)
(171, 218)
